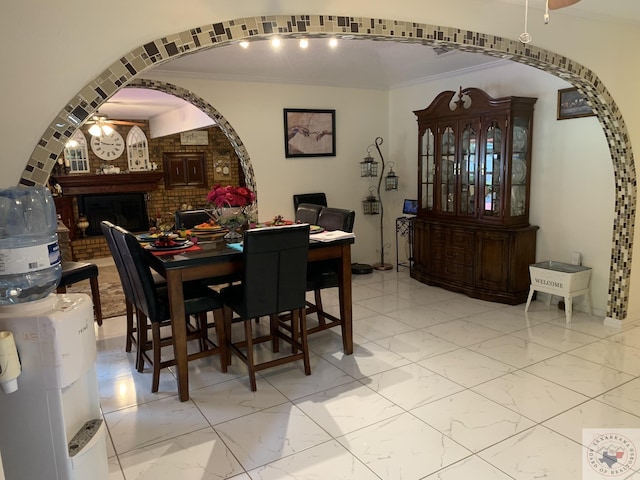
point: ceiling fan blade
(556, 4)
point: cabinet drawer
(455, 255)
(452, 237)
(461, 238)
(438, 236)
(453, 272)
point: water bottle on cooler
(30, 262)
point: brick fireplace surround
(74, 185)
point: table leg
(179, 331)
(346, 309)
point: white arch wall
(123, 70)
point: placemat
(193, 248)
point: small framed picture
(572, 104)
(309, 133)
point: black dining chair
(190, 218)
(324, 274)
(314, 198)
(152, 304)
(308, 213)
(131, 327)
(127, 289)
(274, 273)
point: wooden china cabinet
(472, 231)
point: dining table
(218, 257)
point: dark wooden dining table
(216, 258)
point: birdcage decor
(368, 166)
(391, 180)
(371, 204)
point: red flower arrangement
(230, 196)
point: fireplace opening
(128, 210)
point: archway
(123, 71)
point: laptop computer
(410, 207)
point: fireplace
(128, 210)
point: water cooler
(51, 427)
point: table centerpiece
(232, 208)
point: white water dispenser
(51, 426)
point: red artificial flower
(230, 196)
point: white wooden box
(559, 278)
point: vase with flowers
(231, 207)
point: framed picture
(309, 133)
(572, 104)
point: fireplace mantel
(109, 183)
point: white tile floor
(440, 386)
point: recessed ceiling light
(304, 43)
(244, 44)
(333, 42)
(275, 42)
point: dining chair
(130, 336)
(190, 218)
(308, 213)
(324, 274)
(152, 305)
(131, 327)
(274, 273)
(315, 198)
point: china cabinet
(472, 231)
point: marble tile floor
(440, 386)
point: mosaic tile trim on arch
(121, 72)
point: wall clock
(108, 147)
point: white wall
(255, 110)
(178, 120)
(572, 175)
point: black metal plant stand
(381, 265)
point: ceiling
(351, 64)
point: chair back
(190, 218)
(336, 219)
(145, 294)
(314, 198)
(107, 230)
(308, 213)
(275, 270)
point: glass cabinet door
(467, 170)
(519, 167)
(428, 170)
(492, 170)
(448, 170)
